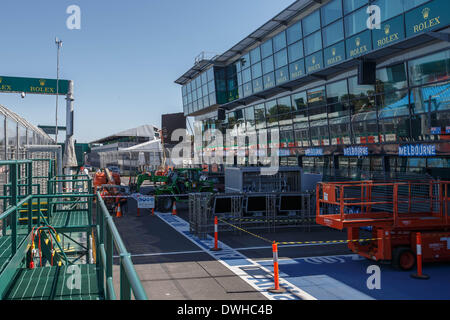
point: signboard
(297, 69)
(356, 151)
(334, 54)
(391, 31)
(314, 152)
(314, 62)
(33, 85)
(433, 15)
(359, 45)
(145, 202)
(436, 130)
(419, 150)
(447, 130)
(51, 129)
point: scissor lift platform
(394, 212)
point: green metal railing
(19, 191)
(108, 238)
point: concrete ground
(172, 267)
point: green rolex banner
(33, 85)
(431, 16)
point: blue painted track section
(351, 270)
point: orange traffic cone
(119, 211)
(174, 209)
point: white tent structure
(148, 155)
(150, 146)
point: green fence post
(30, 192)
(109, 252)
(125, 289)
(5, 204)
(99, 242)
(13, 191)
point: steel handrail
(109, 236)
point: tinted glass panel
(391, 78)
(333, 33)
(282, 75)
(255, 55)
(311, 23)
(409, 4)
(316, 96)
(295, 51)
(294, 33)
(299, 101)
(256, 71)
(313, 43)
(357, 90)
(393, 104)
(271, 108)
(269, 80)
(279, 42)
(389, 8)
(258, 85)
(331, 12)
(337, 92)
(246, 75)
(351, 5)
(355, 22)
(266, 49)
(281, 59)
(429, 69)
(267, 65)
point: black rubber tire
(397, 255)
(165, 204)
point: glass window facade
(328, 36)
(396, 110)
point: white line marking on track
(163, 253)
(265, 281)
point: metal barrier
(108, 238)
(251, 211)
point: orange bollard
(419, 275)
(216, 235)
(174, 209)
(153, 211)
(276, 275)
(138, 212)
(119, 211)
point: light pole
(58, 46)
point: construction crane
(395, 213)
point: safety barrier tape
(329, 242)
(268, 220)
(246, 231)
(298, 242)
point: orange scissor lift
(396, 212)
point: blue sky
(125, 58)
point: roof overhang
(283, 19)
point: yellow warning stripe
(328, 242)
(34, 210)
(35, 203)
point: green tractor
(175, 183)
